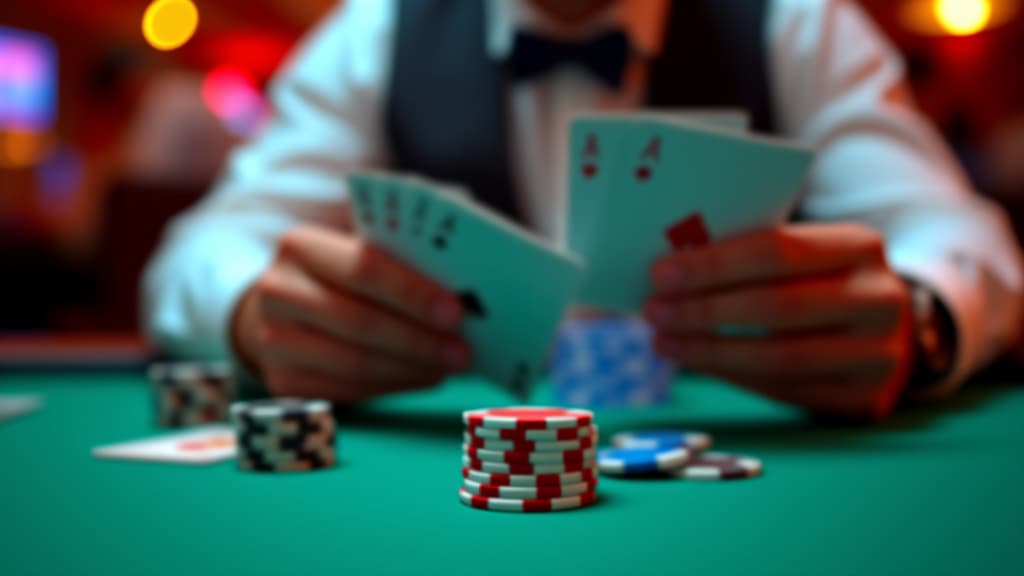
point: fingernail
(661, 314)
(668, 277)
(446, 315)
(454, 356)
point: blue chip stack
(608, 362)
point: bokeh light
(168, 24)
(233, 97)
(21, 148)
(963, 17)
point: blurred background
(116, 114)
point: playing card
(513, 286)
(685, 181)
(390, 199)
(688, 232)
(594, 152)
(197, 446)
(591, 150)
(360, 186)
(13, 406)
(729, 119)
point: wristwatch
(935, 339)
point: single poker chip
(177, 371)
(565, 457)
(529, 480)
(527, 418)
(524, 492)
(653, 439)
(528, 445)
(629, 461)
(556, 434)
(720, 466)
(298, 465)
(279, 408)
(520, 469)
(526, 505)
(266, 444)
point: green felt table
(932, 491)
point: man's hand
(336, 318)
(833, 321)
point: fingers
(865, 302)
(287, 380)
(784, 356)
(289, 294)
(765, 256)
(849, 395)
(297, 348)
(351, 265)
(835, 374)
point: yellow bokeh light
(168, 24)
(963, 17)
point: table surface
(934, 491)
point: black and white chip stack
(284, 434)
(192, 393)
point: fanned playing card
(594, 153)
(688, 232)
(514, 288)
(677, 182)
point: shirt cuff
(191, 315)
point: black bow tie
(604, 56)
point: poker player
(894, 281)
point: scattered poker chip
(652, 439)
(526, 505)
(284, 434)
(720, 466)
(191, 393)
(564, 457)
(635, 461)
(519, 469)
(528, 445)
(280, 408)
(529, 480)
(557, 434)
(525, 492)
(527, 418)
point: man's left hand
(809, 314)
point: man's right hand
(334, 317)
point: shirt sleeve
(840, 87)
(326, 120)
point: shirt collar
(643, 21)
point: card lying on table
(204, 445)
(664, 185)
(514, 287)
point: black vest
(447, 109)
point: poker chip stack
(284, 435)
(529, 459)
(191, 393)
(608, 362)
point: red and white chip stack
(529, 459)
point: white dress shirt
(838, 86)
